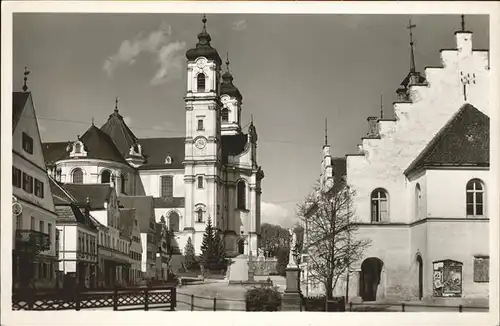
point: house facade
(34, 217)
(421, 184)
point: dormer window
(77, 150)
(168, 159)
(135, 150)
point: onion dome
(227, 87)
(203, 47)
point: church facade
(421, 182)
(211, 173)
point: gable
(27, 123)
(463, 141)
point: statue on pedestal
(292, 260)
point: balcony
(32, 241)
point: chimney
(372, 127)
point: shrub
(318, 303)
(263, 299)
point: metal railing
(210, 303)
(142, 298)
(32, 240)
(408, 307)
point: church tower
(231, 99)
(202, 163)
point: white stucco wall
(151, 181)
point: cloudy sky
(293, 71)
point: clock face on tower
(200, 143)
(201, 63)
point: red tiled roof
(463, 141)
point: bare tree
(330, 243)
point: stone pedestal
(291, 297)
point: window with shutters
(17, 177)
(27, 183)
(39, 188)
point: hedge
(263, 299)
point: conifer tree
(208, 245)
(190, 259)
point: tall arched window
(418, 201)
(380, 205)
(123, 180)
(173, 222)
(241, 188)
(77, 176)
(200, 82)
(475, 198)
(105, 176)
(225, 115)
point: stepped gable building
(211, 173)
(421, 182)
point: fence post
(173, 299)
(77, 298)
(460, 308)
(146, 298)
(192, 302)
(115, 298)
(350, 306)
(403, 307)
(215, 304)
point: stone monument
(291, 297)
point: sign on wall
(447, 278)
(481, 269)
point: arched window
(123, 180)
(379, 202)
(475, 198)
(77, 176)
(200, 82)
(78, 148)
(418, 201)
(241, 188)
(173, 222)
(105, 176)
(199, 215)
(225, 115)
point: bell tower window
(200, 82)
(225, 115)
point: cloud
(276, 214)
(239, 25)
(128, 120)
(159, 43)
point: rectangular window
(27, 183)
(200, 182)
(200, 124)
(27, 143)
(32, 225)
(42, 227)
(482, 269)
(38, 188)
(17, 177)
(19, 221)
(167, 186)
(49, 231)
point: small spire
(227, 61)
(116, 105)
(326, 131)
(26, 73)
(412, 55)
(204, 20)
(462, 17)
(92, 121)
(381, 106)
(251, 119)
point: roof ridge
(62, 189)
